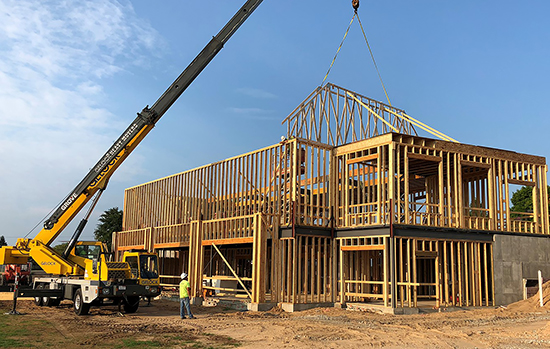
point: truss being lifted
(336, 116)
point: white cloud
(53, 126)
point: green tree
(60, 248)
(110, 221)
(522, 200)
(3, 241)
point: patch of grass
(27, 331)
(11, 343)
(132, 343)
(16, 330)
(181, 340)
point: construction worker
(185, 289)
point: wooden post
(386, 270)
(460, 266)
(437, 267)
(114, 245)
(406, 179)
(441, 216)
(449, 191)
(446, 273)
(409, 271)
(195, 261)
(294, 281)
(259, 255)
(486, 271)
(393, 282)
(507, 196)
(546, 226)
(391, 197)
(342, 278)
(334, 269)
(453, 273)
(415, 277)
(379, 185)
(276, 263)
(460, 188)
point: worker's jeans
(185, 302)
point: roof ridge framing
(332, 116)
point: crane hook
(355, 4)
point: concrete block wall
(516, 258)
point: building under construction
(352, 207)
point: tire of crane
(80, 308)
(131, 305)
(39, 300)
(47, 301)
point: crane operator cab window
(134, 266)
(148, 266)
(143, 266)
(87, 251)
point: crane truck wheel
(47, 301)
(131, 305)
(80, 308)
(39, 300)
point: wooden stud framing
(341, 169)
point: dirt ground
(521, 325)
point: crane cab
(143, 266)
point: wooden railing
(133, 239)
(363, 215)
(228, 228)
(477, 218)
(313, 216)
(522, 222)
(424, 214)
(173, 234)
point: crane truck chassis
(93, 279)
(105, 282)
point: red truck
(8, 272)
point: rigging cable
(373, 60)
(337, 51)
(355, 5)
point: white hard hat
(183, 275)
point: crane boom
(96, 179)
(146, 119)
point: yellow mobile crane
(83, 272)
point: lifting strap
(355, 6)
(373, 60)
(337, 51)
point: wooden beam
(364, 248)
(424, 157)
(362, 159)
(228, 241)
(520, 182)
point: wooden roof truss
(336, 116)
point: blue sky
(74, 74)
